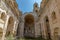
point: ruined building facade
(46, 21)
(9, 18)
(49, 19)
(43, 21)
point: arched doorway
(10, 26)
(29, 26)
(47, 28)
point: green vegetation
(10, 37)
(29, 38)
(26, 38)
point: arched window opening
(36, 11)
(36, 6)
(3, 16)
(53, 15)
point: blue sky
(27, 5)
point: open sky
(27, 5)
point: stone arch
(29, 26)
(47, 28)
(56, 36)
(10, 26)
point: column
(35, 30)
(22, 29)
(14, 28)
